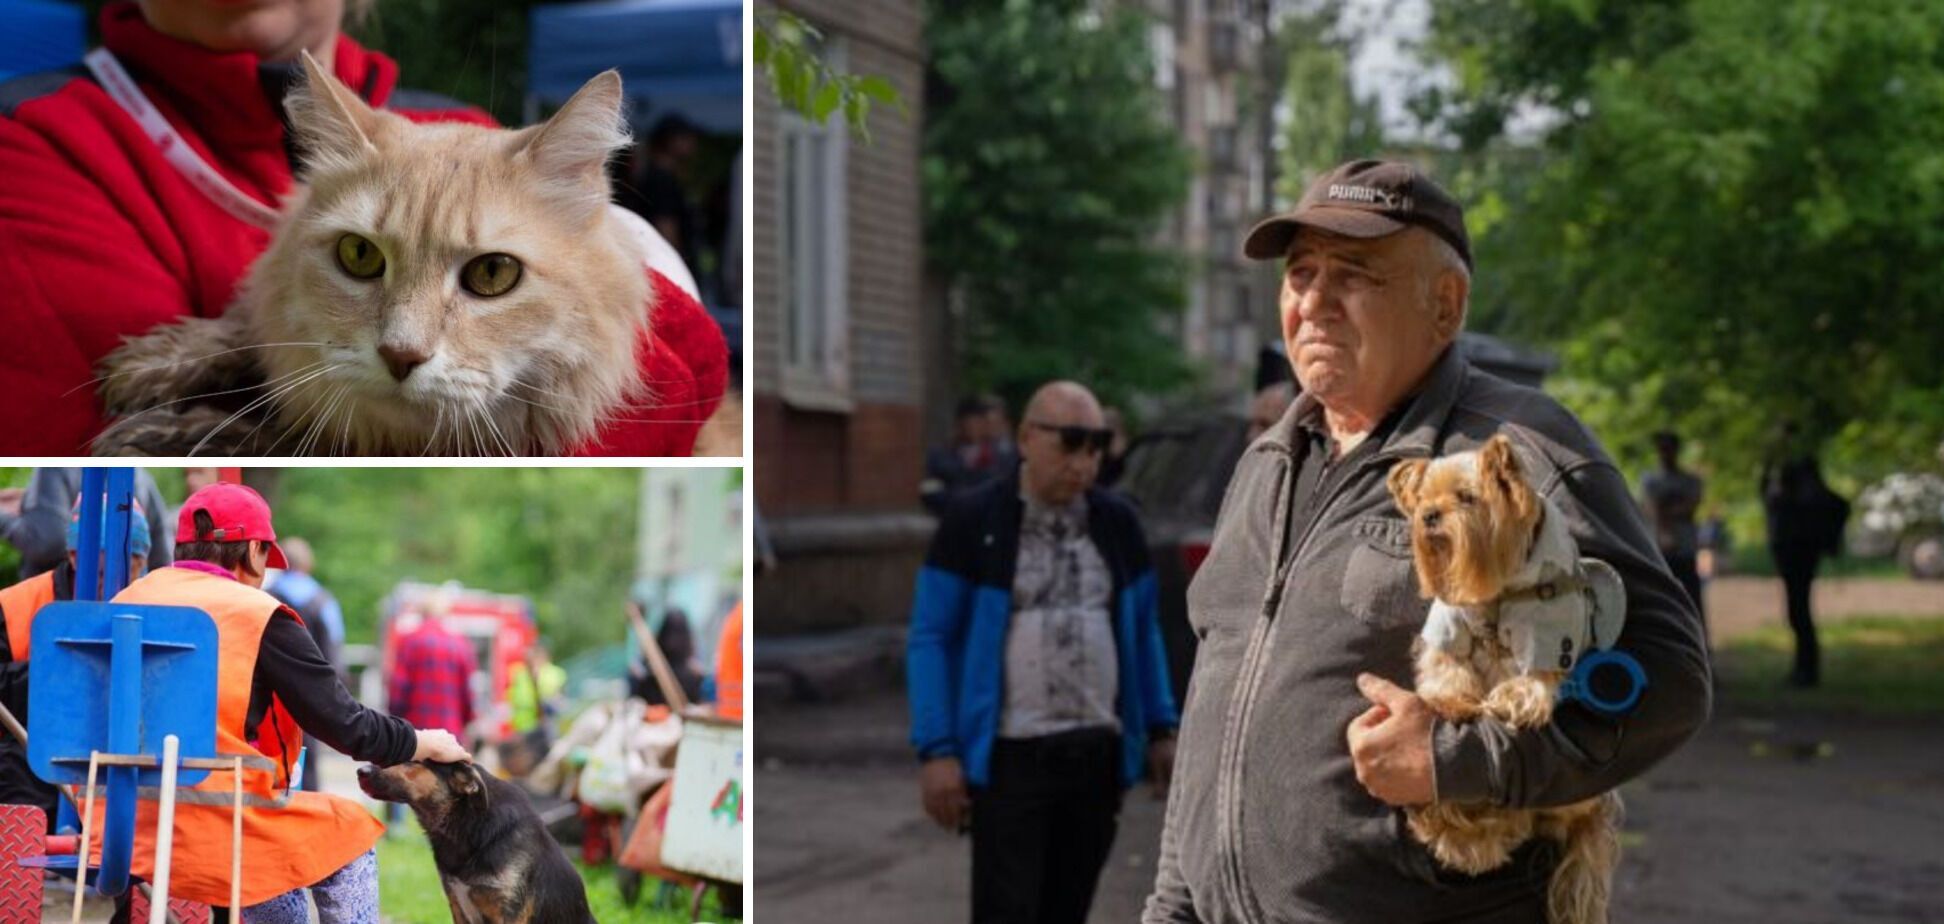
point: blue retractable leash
(1608, 682)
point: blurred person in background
(1805, 524)
(35, 519)
(1671, 496)
(300, 591)
(19, 605)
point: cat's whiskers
(608, 417)
(216, 394)
(320, 423)
(307, 417)
(498, 433)
(193, 359)
(273, 395)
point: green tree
(787, 52)
(1048, 169)
(1322, 120)
(1735, 218)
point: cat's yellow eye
(359, 257)
(491, 274)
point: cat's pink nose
(401, 360)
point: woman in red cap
(109, 227)
(272, 686)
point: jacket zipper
(1242, 700)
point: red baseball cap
(240, 515)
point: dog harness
(1557, 608)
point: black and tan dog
(495, 858)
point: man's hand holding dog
(1390, 743)
(942, 781)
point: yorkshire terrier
(1514, 606)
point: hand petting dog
(1390, 743)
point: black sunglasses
(1073, 438)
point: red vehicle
(499, 626)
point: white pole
(164, 833)
(236, 848)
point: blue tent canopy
(682, 56)
(40, 35)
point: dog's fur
(1473, 518)
(495, 858)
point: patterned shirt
(430, 683)
(1062, 672)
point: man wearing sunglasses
(1038, 684)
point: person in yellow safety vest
(528, 704)
(272, 686)
(19, 605)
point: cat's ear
(570, 151)
(334, 127)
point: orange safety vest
(729, 674)
(291, 839)
(20, 602)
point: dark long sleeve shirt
(290, 666)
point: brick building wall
(868, 457)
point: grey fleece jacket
(1266, 821)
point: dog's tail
(1583, 883)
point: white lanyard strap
(122, 89)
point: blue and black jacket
(956, 655)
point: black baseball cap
(1365, 199)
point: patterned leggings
(348, 896)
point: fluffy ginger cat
(433, 288)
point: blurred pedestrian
(1302, 743)
(672, 145)
(1270, 403)
(729, 668)
(431, 681)
(1670, 496)
(676, 638)
(1113, 462)
(1805, 523)
(977, 454)
(35, 520)
(322, 617)
(19, 605)
(533, 691)
(199, 477)
(1038, 682)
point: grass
(1753, 560)
(409, 890)
(1880, 665)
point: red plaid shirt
(429, 681)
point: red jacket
(100, 238)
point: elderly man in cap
(1301, 744)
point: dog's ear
(466, 780)
(1404, 479)
(1503, 481)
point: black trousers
(1796, 563)
(1042, 827)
